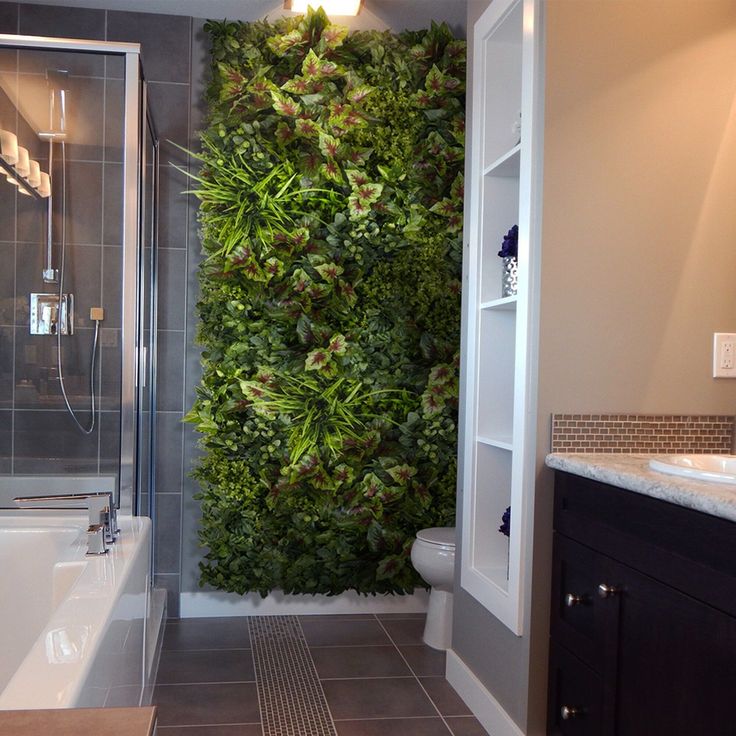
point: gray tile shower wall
(169, 49)
(35, 426)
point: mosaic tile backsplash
(642, 433)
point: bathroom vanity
(643, 620)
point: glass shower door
(146, 473)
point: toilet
(433, 557)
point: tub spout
(96, 544)
(101, 508)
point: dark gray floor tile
(393, 727)
(443, 695)
(390, 697)
(337, 617)
(123, 696)
(207, 633)
(424, 661)
(179, 667)
(399, 616)
(332, 633)
(405, 631)
(342, 662)
(466, 726)
(251, 729)
(184, 705)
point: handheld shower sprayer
(58, 83)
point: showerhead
(58, 82)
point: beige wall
(639, 254)
(639, 222)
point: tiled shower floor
(353, 675)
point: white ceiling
(375, 13)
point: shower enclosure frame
(136, 116)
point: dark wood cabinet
(643, 629)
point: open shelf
(495, 391)
(506, 303)
(502, 443)
(490, 548)
(507, 165)
(501, 64)
(499, 213)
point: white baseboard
(209, 604)
(484, 706)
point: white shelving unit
(501, 332)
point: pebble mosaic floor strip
(290, 694)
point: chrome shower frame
(135, 115)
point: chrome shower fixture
(51, 313)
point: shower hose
(59, 362)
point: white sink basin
(714, 468)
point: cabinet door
(582, 621)
(676, 662)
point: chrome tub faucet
(103, 519)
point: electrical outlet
(724, 355)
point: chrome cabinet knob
(607, 591)
(571, 600)
(568, 712)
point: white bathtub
(72, 627)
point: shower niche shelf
(499, 413)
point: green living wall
(331, 208)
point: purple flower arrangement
(510, 245)
(505, 527)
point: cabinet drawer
(688, 550)
(575, 696)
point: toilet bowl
(433, 557)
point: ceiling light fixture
(331, 7)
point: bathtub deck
(68, 722)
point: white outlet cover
(724, 355)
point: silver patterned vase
(508, 276)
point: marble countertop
(632, 473)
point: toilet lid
(444, 535)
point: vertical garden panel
(331, 210)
